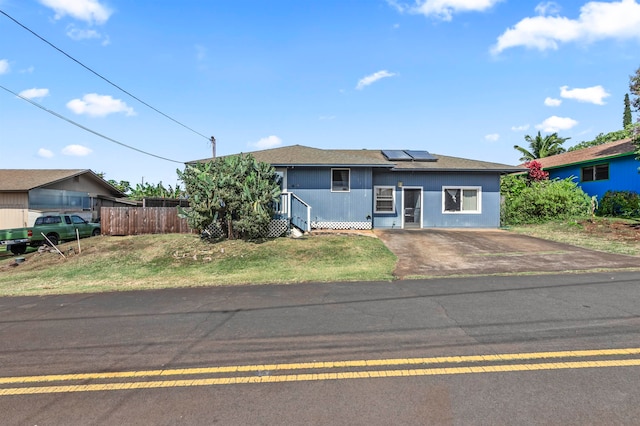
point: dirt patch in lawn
(612, 229)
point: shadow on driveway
(440, 252)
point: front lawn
(179, 260)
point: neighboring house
(364, 189)
(27, 194)
(598, 169)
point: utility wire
(101, 76)
(86, 128)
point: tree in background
(634, 88)
(540, 147)
(237, 191)
(618, 135)
(149, 190)
(627, 120)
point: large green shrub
(620, 204)
(236, 192)
(526, 201)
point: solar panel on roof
(421, 155)
(396, 155)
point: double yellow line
(357, 369)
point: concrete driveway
(446, 252)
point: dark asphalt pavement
(464, 252)
(197, 331)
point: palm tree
(540, 147)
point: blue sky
(465, 78)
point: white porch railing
(295, 210)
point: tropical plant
(528, 201)
(535, 171)
(237, 191)
(540, 147)
(149, 190)
(620, 204)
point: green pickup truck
(57, 228)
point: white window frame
(348, 183)
(393, 199)
(478, 189)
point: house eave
(289, 165)
(458, 170)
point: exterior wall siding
(313, 185)
(623, 176)
(79, 183)
(14, 210)
(431, 184)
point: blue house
(365, 189)
(598, 169)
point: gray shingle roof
(18, 180)
(299, 155)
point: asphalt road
(553, 349)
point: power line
(101, 76)
(86, 128)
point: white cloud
(522, 128)
(76, 150)
(548, 8)
(552, 102)
(443, 9)
(90, 11)
(492, 137)
(29, 70)
(370, 79)
(593, 95)
(96, 105)
(597, 21)
(45, 153)
(80, 34)
(268, 142)
(34, 93)
(4, 66)
(554, 124)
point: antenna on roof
(213, 146)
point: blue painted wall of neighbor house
(623, 176)
(432, 184)
(313, 185)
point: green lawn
(176, 260)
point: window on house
(340, 180)
(599, 172)
(385, 199)
(461, 200)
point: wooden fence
(142, 220)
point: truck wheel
(18, 249)
(53, 238)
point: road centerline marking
(265, 371)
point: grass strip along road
(316, 371)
